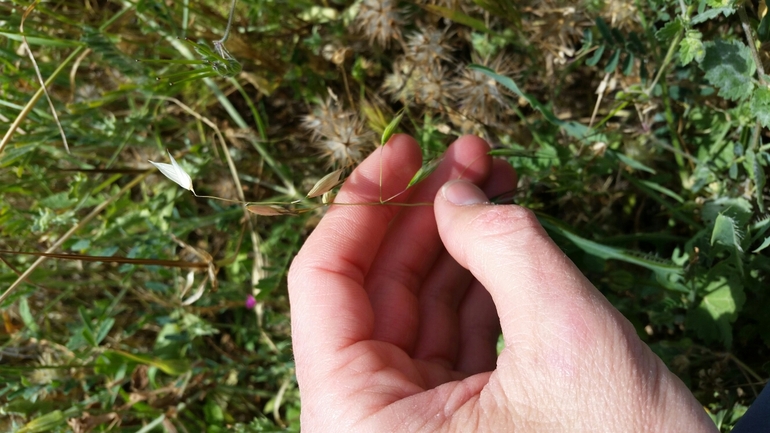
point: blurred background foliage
(637, 128)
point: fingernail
(463, 193)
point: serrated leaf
(325, 184)
(391, 128)
(670, 30)
(424, 172)
(691, 48)
(760, 105)
(711, 14)
(726, 233)
(728, 66)
(270, 210)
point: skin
(396, 313)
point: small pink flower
(250, 302)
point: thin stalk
(666, 60)
(752, 45)
(670, 121)
(39, 93)
(96, 211)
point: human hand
(396, 313)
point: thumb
(567, 348)
(540, 295)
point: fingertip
(462, 193)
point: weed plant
(637, 127)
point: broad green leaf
(628, 64)
(614, 60)
(604, 29)
(728, 66)
(325, 184)
(726, 233)
(458, 17)
(104, 328)
(26, 315)
(606, 252)
(764, 245)
(763, 31)
(661, 189)
(173, 367)
(44, 423)
(37, 40)
(760, 105)
(691, 48)
(391, 128)
(502, 8)
(152, 424)
(594, 59)
(630, 162)
(719, 308)
(739, 209)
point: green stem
(671, 122)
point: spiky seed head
(429, 47)
(341, 135)
(478, 96)
(380, 21)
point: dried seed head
(429, 47)
(399, 83)
(340, 134)
(480, 97)
(380, 20)
(417, 83)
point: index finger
(330, 309)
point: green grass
(656, 189)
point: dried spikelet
(339, 134)
(478, 96)
(379, 20)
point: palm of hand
(392, 334)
